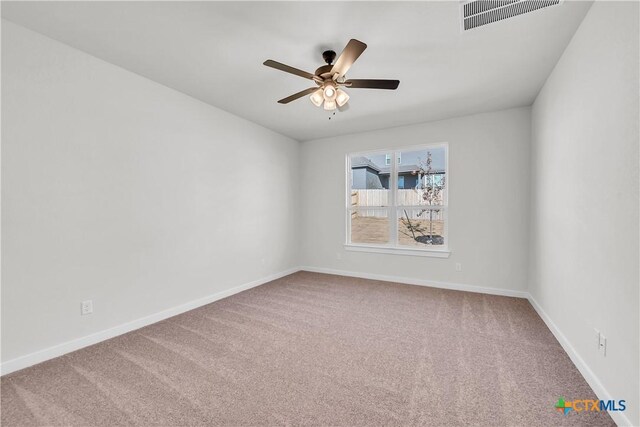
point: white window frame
(387, 160)
(440, 251)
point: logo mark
(589, 405)
(562, 406)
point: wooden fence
(354, 202)
(373, 198)
(381, 197)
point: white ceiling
(214, 51)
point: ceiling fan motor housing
(324, 71)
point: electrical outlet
(458, 266)
(596, 336)
(602, 345)
(86, 307)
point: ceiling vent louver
(482, 12)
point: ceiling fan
(331, 78)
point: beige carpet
(315, 349)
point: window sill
(434, 253)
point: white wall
(120, 190)
(488, 234)
(584, 257)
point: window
(387, 159)
(398, 206)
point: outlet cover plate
(86, 307)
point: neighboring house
(366, 175)
(406, 178)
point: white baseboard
(58, 350)
(619, 417)
(78, 343)
(421, 282)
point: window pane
(370, 180)
(370, 226)
(421, 227)
(423, 176)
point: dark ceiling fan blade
(300, 94)
(287, 69)
(351, 52)
(372, 84)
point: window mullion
(348, 206)
(393, 193)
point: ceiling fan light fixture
(341, 97)
(330, 105)
(317, 98)
(329, 92)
